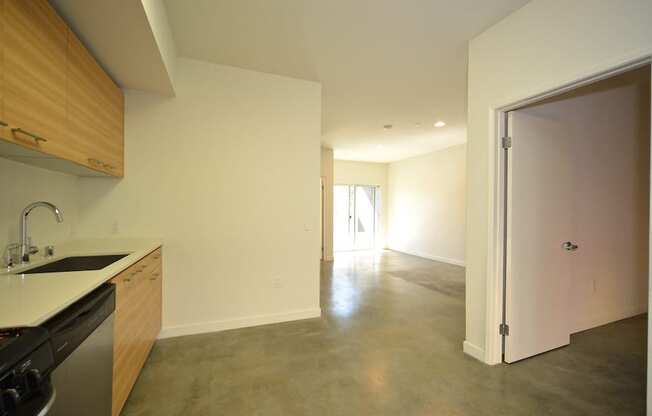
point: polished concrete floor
(389, 343)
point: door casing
(498, 160)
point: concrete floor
(389, 343)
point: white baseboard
(609, 317)
(223, 325)
(430, 257)
(473, 350)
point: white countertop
(31, 299)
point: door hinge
(506, 142)
(503, 329)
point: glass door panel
(354, 217)
(365, 217)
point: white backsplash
(22, 184)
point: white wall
(542, 46)
(227, 173)
(360, 173)
(366, 173)
(24, 184)
(610, 132)
(427, 205)
(327, 178)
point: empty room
(304, 207)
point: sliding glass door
(354, 217)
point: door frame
(498, 159)
(322, 222)
(376, 217)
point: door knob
(568, 246)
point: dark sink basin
(76, 264)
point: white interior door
(539, 222)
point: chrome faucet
(26, 248)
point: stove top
(17, 343)
(26, 361)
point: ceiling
(380, 61)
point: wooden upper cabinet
(2, 54)
(95, 111)
(54, 96)
(34, 69)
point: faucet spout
(25, 249)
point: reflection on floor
(389, 343)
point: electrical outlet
(277, 283)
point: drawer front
(145, 266)
(127, 284)
(135, 275)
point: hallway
(389, 343)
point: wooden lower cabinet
(137, 323)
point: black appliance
(26, 362)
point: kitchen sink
(76, 264)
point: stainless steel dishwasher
(82, 340)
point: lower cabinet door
(137, 323)
(130, 346)
(156, 295)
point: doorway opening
(355, 217)
(575, 215)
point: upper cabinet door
(54, 97)
(2, 64)
(95, 110)
(35, 42)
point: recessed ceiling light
(388, 126)
(440, 124)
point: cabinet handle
(126, 280)
(3, 124)
(99, 164)
(32, 135)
